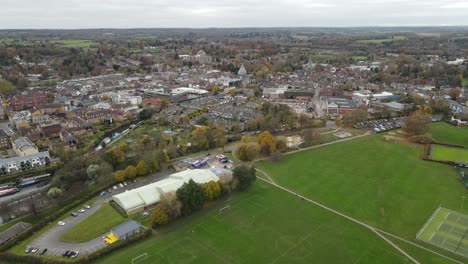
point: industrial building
(139, 199)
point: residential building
(4, 140)
(26, 101)
(23, 146)
(24, 162)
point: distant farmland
(382, 40)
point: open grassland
(449, 153)
(263, 225)
(383, 40)
(379, 182)
(448, 134)
(93, 226)
(75, 43)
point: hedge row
(47, 219)
(12, 258)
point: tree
(248, 151)
(6, 87)
(418, 123)
(338, 122)
(142, 168)
(154, 164)
(115, 156)
(171, 205)
(199, 138)
(212, 190)
(245, 176)
(124, 147)
(281, 143)
(357, 116)
(454, 93)
(266, 142)
(130, 172)
(92, 171)
(145, 140)
(310, 136)
(191, 196)
(159, 216)
(146, 113)
(119, 175)
(54, 193)
(440, 106)
(165, 103)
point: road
(50, 239)
(55, 247)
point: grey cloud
(222, 13)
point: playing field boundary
(428, 221)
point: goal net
(224, 208)
(140, 258)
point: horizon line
(248, 27)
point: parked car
(74, 254)
(34, 250)
(28, 249)
(65, 254)
(125, 183)
(61, 223)
(121, 185)
(74, 214)
(114, 187)
(81, 210)
(87, 206)
(44, 251)
(102, 194)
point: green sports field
(262, 225)
(448, 230)
(95, 225)
(449, 153)
(449, 134)
(379, 182)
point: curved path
(55, 247)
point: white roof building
(136, 200)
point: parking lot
(381, 125)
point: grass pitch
(447, 229)
(379, 182)
(449, 154)
(93, 226)
(263, 225)
(449, 134)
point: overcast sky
(69, 14)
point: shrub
(159, 216)
(422, 139)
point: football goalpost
(224, 208)
(140, 258)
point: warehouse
(139, 199)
